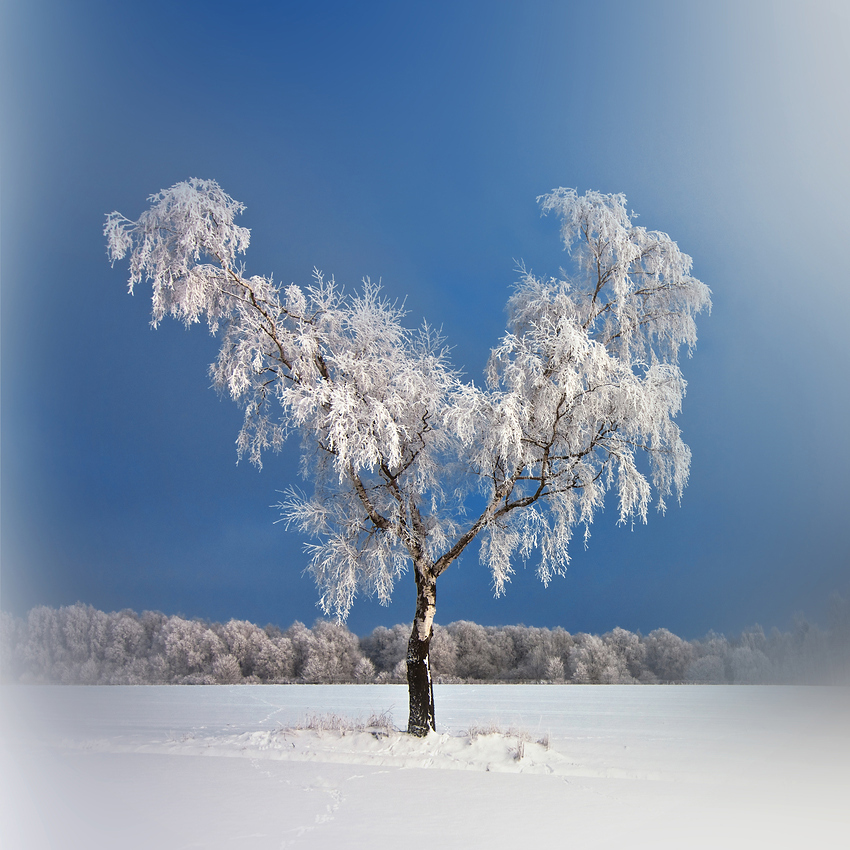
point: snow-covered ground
(625, 767)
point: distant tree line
(80, 645)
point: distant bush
(80, 645)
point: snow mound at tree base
(500, 752)
(494, 751)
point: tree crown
(585, 380)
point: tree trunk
(419, 684)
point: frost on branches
(584, 383)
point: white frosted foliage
(580, 397)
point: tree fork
(420, 685)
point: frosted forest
(79, 645)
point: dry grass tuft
(378, 724)
(522, 736)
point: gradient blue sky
(408, 141)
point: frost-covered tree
(583, 385)
(712, 664)
(364, 671)
(386, 647)
(13, 633)
(260, 657)
(628, 647)
(333, 655)
(596, 662)
(668, 655)
(839, 638)
(707, 670)
(750, 666)
(532, 650)
(554, 669)
(442, 653)
(482, 652)
(191, 650)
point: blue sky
(408, 142)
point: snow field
(223, 767)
